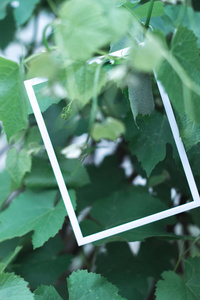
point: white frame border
(82, 240)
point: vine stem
(181, 256)
(149, 14)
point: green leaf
(13, 103)
(33, 212)
(80, 81)
(44, 265)
(184, 55)
(140, 94)
(110, 129)
(8, 258)
(42, 176)
(47, 293)
(5, 186)
(112, 211)
(141, 11)
(92, 24)
(18, 164)
(9, 26)
(175, 287)
(149, 144)
(3, 6)
(24, 10)
(90, 286)
(13, 287)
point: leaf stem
(149, 14)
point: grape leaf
(42, 176)
(140, 94)
(149, 145)
(175, 287)
(90, 286)
(50, 263)
(86, 26)
(47, 293)
(80, 81)
(13, 103)
(33, 212)
(24, 10)
(110, 129)
(13, 287)
(185, 51)
(18, 164)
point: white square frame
(82, 240)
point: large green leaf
(18, 164)
(44, 265)
(42, 176)
(13, 287)
(33, 212)
(24, 10)
(8, 258)
(148, 142)
(13, 103)
(89, 286)
(86, 26)
(46, 292)
(185, 57)
(175, 287)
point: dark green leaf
(5, 186)
(50, 264)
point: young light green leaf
(18, 164)
(149, 145)
(13, 287)
(46, 292)
(80, 81)
(33, 212)
(13, 102)
(24, 10)
(140, 94)
(175, 287)
(110, 129)
(89, 286)
(87, 26)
